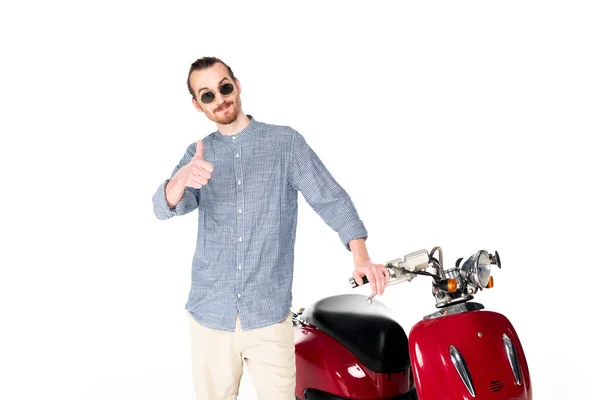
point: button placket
(237, 170)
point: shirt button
(239, 182)
(233, 138)
(240, 210)
(239, 295)
(237, 155)
(240, 239)
(240, 266)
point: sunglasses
(225, 89)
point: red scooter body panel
(322, 363)
(477, 335)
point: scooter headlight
(477, 268)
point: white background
(469, 125)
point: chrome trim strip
(461, 368)
(511, 354)
(455, 309)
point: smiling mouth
(220, 109)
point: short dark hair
(203, 63)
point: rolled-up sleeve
(188, 203)
(330, 201)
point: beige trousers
(218, 357)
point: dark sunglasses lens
(226, 89)
(207, 97)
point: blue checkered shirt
(247, 214)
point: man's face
(223, 109)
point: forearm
(174, 192)
(359, 251)
(174, 196)
(187, 202)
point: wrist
(359, 251)
(175, 184)
(174, 192)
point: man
(243, 179)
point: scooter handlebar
(415, 261)
(353, 283)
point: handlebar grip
(353, 283)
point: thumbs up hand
(197, 172)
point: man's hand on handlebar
(377, 274)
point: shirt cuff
(354, 230)
(161, 207)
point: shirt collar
(252, 126)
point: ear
(238, 85)
(197, 105)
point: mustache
(222, 106)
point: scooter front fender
(471, 355)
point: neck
(236, 126)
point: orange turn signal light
(490, 283)
(452, 285)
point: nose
(219, 98)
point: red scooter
(351, 347)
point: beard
(229, 116)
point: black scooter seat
(369, 331)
